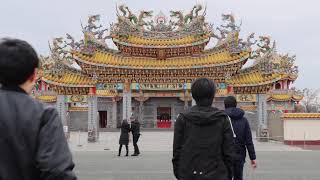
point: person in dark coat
(243, 140)
(203, 146)
(135, 129)
(32, 142)
(124, 137)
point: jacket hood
(201, 115)
(135, 122)
(234, 113)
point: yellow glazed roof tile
(111, 59)
(254, 78)
(142, 41)
(70, 79)
(301, 116)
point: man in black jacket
(203, 146)
(135, 129)
(243, 140)
(32, 142)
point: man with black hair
(203, 138)
(32, 141)
(243, 140)
(135, 129)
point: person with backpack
(203, 145)
(243, 140)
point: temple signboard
(110, 86)
(76, 99)
(246, 97)
(158, 86)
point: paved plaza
(99, 161)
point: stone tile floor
(275, 160)
(151, 141)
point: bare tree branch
(311, 100)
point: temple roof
(101, 58)
(146, 42)
(284, 95)
(253, 79)
(69, 79)
(165, 51)
(47, 98)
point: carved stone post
(127, 101)
(92, 118)
(187, 98)
(114, 113)
(62, 111)
(262, 117)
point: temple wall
(105, 104)
(275, 126)
(252, 119)
(78, 121)
(301, 130)
(149, 114)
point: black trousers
(238, 170)
(135, 145)
(127, 149)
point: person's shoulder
(38, 106)
(24, 100)
(180, 117)
(220, 113)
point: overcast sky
(294, 24)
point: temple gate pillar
(62, 111)
(141, 99)
(92, 118)
(114, 113)
(262, 131)
(127, 101)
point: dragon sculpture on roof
(179, 25)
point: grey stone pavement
(99, 161)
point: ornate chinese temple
(150, 71)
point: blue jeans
(238, 170)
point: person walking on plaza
(243, 140)
(32, 142)
(124, 137)
(203, 145)
(135, 129)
